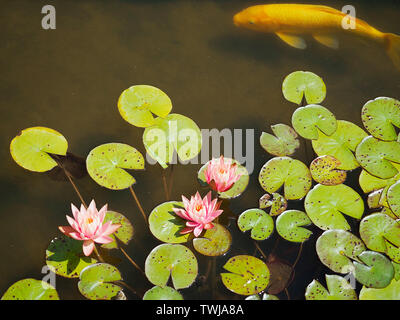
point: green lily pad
(376, 157)
(374, 199)
(258, 221)
(396, 267)
(215, 241)
(246, 275)
(30, 289)
(265, 296)
(290, 226)
(337, 248)
(338, 289)
(290, 173)
(369, 182)
(106, 164)
(393, 198)
(137, 105)
(341, 144)
(284, 143)
(324, 170)
(376, 271)
(65, 257)
(237, 188)
(325, 206)
(171, 260)
(175, 132)
(278, 203)
(159, 293)
(311, 120)
(379, 117)
(303, 83)
(165, 225)
(123, 233)
(96, 282)
(391, 292)
(31, 149)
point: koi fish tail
(392, 46)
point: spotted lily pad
(391, 292)
(325, 205)
(311, 120)
(341, 144)
(123, 233)
(171, 260)
(175, 132)
(237, 188)
(137, 105)
(258, 221)
(338, 289)
(303, 83)
(323, 170)
(31, 149)
(215, 241)
(337, 248)
(106, 165)
(30, 289)
(369, 182)
(376, 157)
(284, 143)
(376, 271)
(278, 203)
(159, 293)
(393, 198)
(96, 282)
(290, 226)
(246, 275)
(165, 225)
(290, 173)
(379, 117)
(65, 257)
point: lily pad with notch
(338, 289)
(215, 241)
(277, 204)
(290, 225)
(258, 221)
(30, 289)
(107, 165)
(123, 233)
(324, 171)
(283, 143)
(162, 293)
(393, 198)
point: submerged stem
(98, 254)
(298, 255)
(138, 203)
(164, 180)
(171, 180)
(131, 261)
(259, 249)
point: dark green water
(70, 79)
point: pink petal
(103, 239)
(88, 246)
(181, 213)
(70, 232)
(197, 231)
(73, 223)
(75, 212)
(208, 226)
(186, 230)
(102, 213)
(109, 229)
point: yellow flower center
(89, 220)
(199, 207)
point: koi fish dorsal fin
(327, 40)
(292, 40)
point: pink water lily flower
(199, 213)
(88, 226)
(221, 174)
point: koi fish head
(254, 18)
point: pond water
(219, 75)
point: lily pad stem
(171, 180)
(164, 180)
(138, 203)
(298, 255)
(259, 249)
(98, 254)
(131, 261)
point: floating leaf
(96, 281)
(278, 203)
(376, 157)
(325, 205)
(106, 164)
(337, 248)
(290, 226)
(324, 170)
(246, 275)
(73, 164)
(175, 132)
(265, 296)
(215, 241)
(237, 188)
(376, 271)
(258, 221)
(123, 233)
(173, 260)
(280, 275)
(165, 225)
(338, 289)
(291, 173)
(137, 105)
(33, 147)
(379, 117)
(369, 183)
(284, 143)
(311, 120)
(391, 292)
(393, 198)
(159, 293)
(306, 83)
(65, 257)
(341, 144)
(30, 289)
